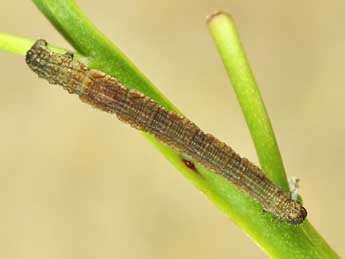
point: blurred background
(77, 183)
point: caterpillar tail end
(298, 218)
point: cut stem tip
(215, 14)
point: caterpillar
(107, 94)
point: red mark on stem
(190, 165)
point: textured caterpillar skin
(141, 112)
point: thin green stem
(20, 45)
(279, 240)
(225, 35)
(14, 44)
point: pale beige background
(77, 183)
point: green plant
(277, 239)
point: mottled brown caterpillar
(141, 112)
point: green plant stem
(19, 45)
(224, 33)
(14, 44)
(279, 240)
